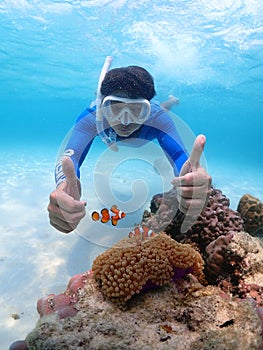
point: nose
(126, 118)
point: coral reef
(149, 291)
(251, 211)
(183, 314)
(215, 220)
(136, 263)
(161, 319)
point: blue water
(207, 53)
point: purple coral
(19, 345)
(64, 304)
(77, 282)
(178, 274)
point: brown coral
(235, 263)
(215, 220)
(216, 261)
(135, 264)
(215, 251)
(251, 211)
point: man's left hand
(193, 185)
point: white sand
(36, 260)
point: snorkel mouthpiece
(109, 140)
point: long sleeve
(79, 142)
(159, 126)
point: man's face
(125, 115)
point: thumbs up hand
(65, 207)
(193, 185)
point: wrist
(178, 218)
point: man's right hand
(65, 207)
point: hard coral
(251, 211)
(235, 262)
(135, 263)
(216, 254)
(215, 220)
(217, 260)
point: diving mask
(125, 111)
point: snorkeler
(124, 114)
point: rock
(163, 319)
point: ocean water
(207, 53)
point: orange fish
(143, 231)
(95, 216)
(119, 214)
(105, 215)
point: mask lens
(136, 109)
(126, 111)
(116, 107)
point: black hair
(131, 82)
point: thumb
(73, 183)
(196, 153)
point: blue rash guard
(159, 126)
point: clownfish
(106, 216)
(143, 231)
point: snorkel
(109, 140)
